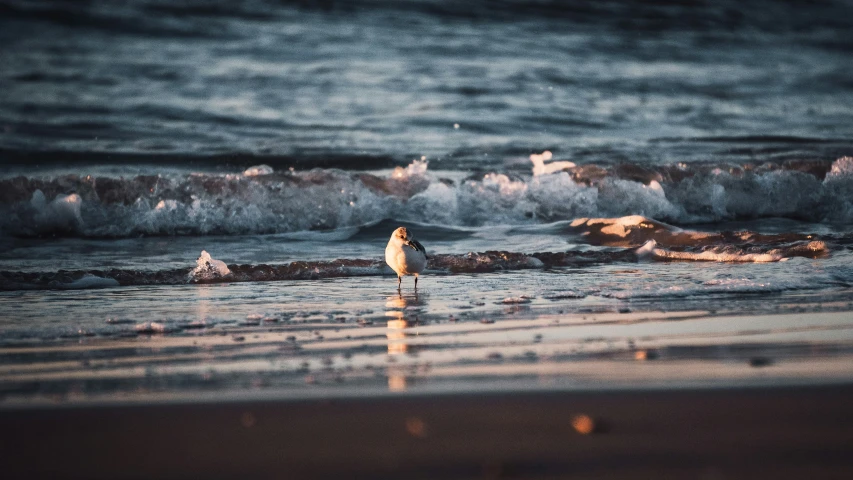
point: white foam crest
(842, 167)
(541, 168)
(62, 213)
(438, 204)
(258, 170)
(534, 262)
(499, 199)
(415, 169)
(748, 285)
(326, 200)
(656, 187)
(722, 195)
(557, 197)
(208, 268)
(619, 226)
(323, 200)
(701, 197)
(715, 256)
(838, 186)
(494, 199)
(714, 286)
(151, 327)
(618, 197)
(729, 253)
(89, 281)
(647, 251)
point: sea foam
(261, 201)
(208, 269)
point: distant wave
(27, 158)
(267, 201)
(167, 18)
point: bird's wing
(417, 246)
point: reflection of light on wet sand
(398, 324)
(396, 381)
(396, 345)
(645, 355)
(203, 293)
(396, 302)
(401, 302)
(397, 336)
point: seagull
(405, 255)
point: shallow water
(707, 324)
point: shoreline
(579, 378)
(510, 352)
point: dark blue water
(361, 84)
(138, 117)
(133, 119)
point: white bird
(405, 255)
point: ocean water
(598, 184)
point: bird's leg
(416, 281)
(399, 282)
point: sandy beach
(675, 433)
(515, 393)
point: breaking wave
(262, 200)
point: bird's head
(402, 233)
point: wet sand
(682, 433)
(509, 383)
(398, 352)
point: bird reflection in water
(397, 335)
(398, 323)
